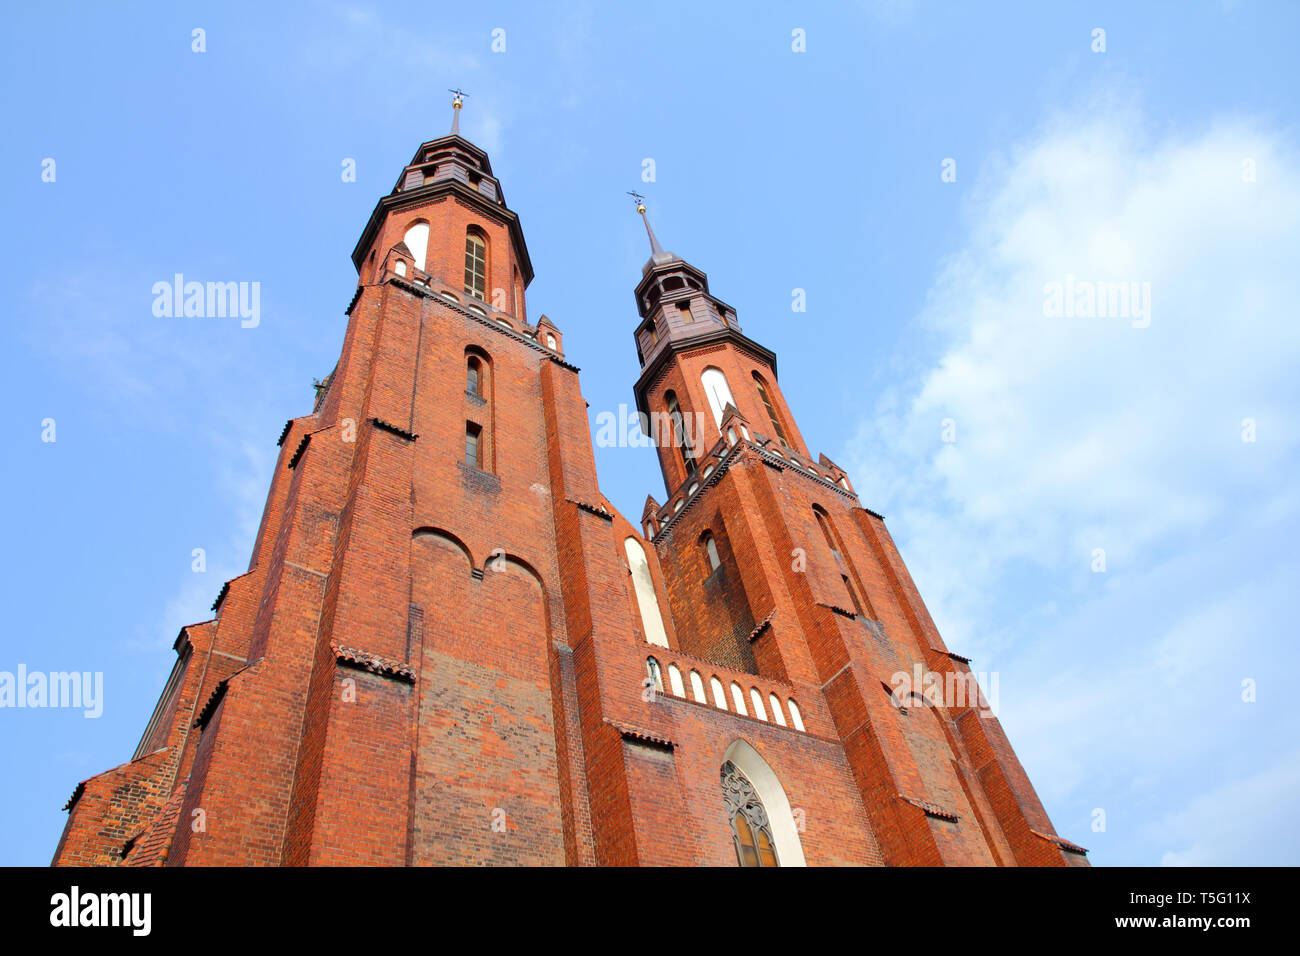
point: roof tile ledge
(931, 809)
(636, 733)
(383, 666)
(1061, 842)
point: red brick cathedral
(450, 648)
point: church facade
(450, 648)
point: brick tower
(449, 648)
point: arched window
(710, 551)
(750, 828)
(823, 523)
(400, 268)
(675, 681)
(771, 410)
(719, 695)
(655, 674)
(718, 392)
(417, 240)
(475, 266)
(795, 716)
(480, 440)
(474, 445)
(697, 686)
(550, 341)
(679, 436)
(751, 788)
(738, 698)
(652, 622)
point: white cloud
(1082, 433)
(1120, 690)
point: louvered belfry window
(475, 266)
(771, 412)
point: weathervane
(458, 100)
(640, 201)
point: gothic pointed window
(719, 393)
(750, 829)
(417, 240)
(679, 435)
(643, 586)
(823, 523)
(711, 551)
(771, 411)
(475, 266)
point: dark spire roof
(658, 256)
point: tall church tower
(773, 568)
(449, 648)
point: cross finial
(457, 101)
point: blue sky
(821, 170)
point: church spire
(658, 254)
